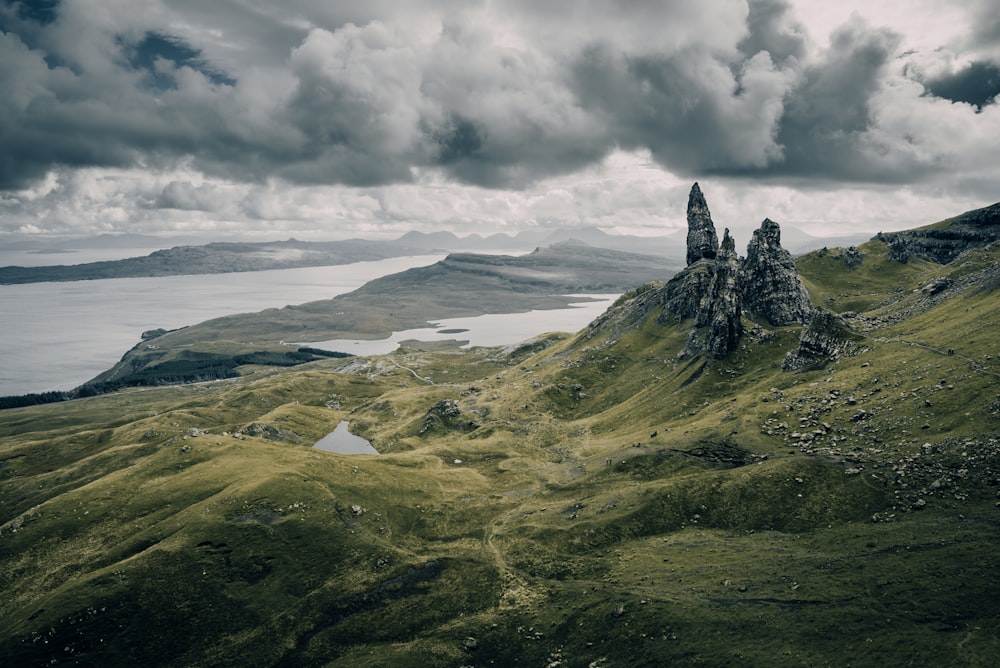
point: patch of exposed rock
(702, 241)
(770, 287)
(828, 337)
(972, 229)
(445, 415)
(269, 432)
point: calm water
(495, 329)
(23, 258)
(342, 441)
(55, 336)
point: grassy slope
(557, 528)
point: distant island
(213, 258)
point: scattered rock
(445, 414)
(853, 257)
(936, 286)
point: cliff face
(972, 229)
(770, 286)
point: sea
(58, 335)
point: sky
(327, 119)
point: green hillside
(592, 501)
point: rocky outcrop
(827, 338)
(445, 415)
(702, 241)
(770, 287)
(681, 296)
(718, 327)
(943, 242)
(269, 432)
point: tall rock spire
(702, 241)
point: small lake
(341, 441)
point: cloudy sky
(338, 118)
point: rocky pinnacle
(769, 283)
(702, 241)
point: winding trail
(415, 374)
(976, 366)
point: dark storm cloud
(772, 28)
(370, 93)
(978, 85)
(662, 104)
(823, 128)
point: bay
(55, 336)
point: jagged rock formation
(702, 241)
(718, 327)
(717, 288)
(827, 338)
(770, 286)
(943, 243)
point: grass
(767, 521)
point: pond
(342, 441)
